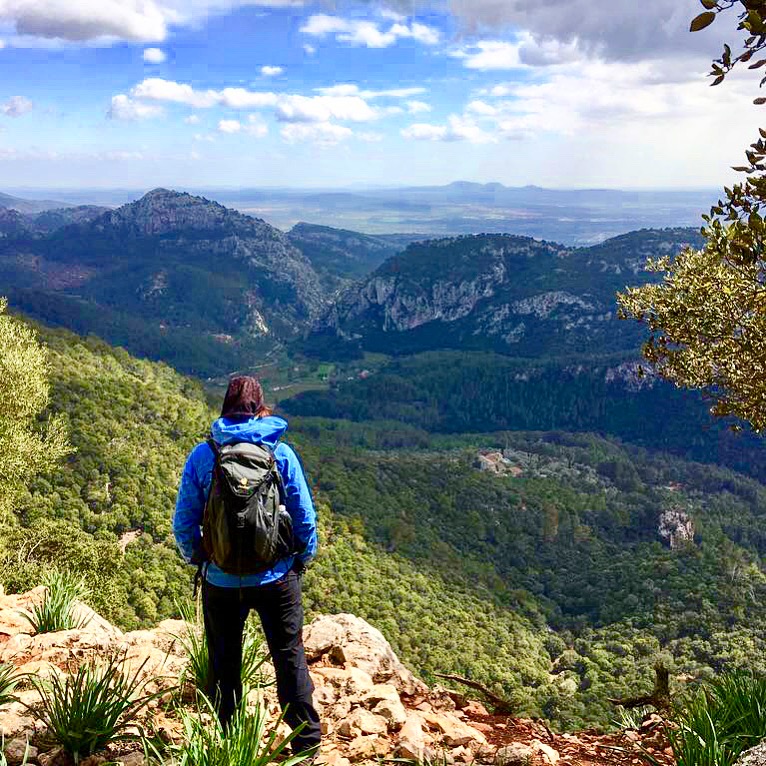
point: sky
(264, 93)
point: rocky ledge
(372, 706)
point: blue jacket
(195, 486)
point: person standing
(251, 555)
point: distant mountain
(170, 276)
(575, 217)
(340, 256)
(516, 295)
(50, 220)
(28, 205)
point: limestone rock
(360, 646)
(454, 732)
(367, 722)
(136, 758)
(475, 708)
(393, 712)
(515, 754)
(15, 721)
(413, 743)
(368, 747)
(17, 749)
(550, 755)
(755, 756)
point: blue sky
(206, 93)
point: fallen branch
(500, 705)
(660, 696)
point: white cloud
(192, 119)
(349, 89)
(229, 126)
(125, 108)
(370, 138)
(240, 98)
(271, 71)
(423, 132)
(524, 52)
(482, 108)
(254, 126)
(320, 133)
(16, 106)
(418, 107)
(491, 54)
(459, 128)
(626, 30)
(154, 56)
(322, 109)
(338, 103)
(157, 89)
(368, 33)
(309, 49)
(79, 21)
(82, 20)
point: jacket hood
(266, 430)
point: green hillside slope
(551, 581)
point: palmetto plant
(194, 643)
(94, 706)
(719, 721)
(57, 609)
(246, 740)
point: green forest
(549, 581)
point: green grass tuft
(246, 741)
(93, 707)
(9, 680)
(719, 721)
(57, 609)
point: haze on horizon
(221, 94)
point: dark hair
(244, 399)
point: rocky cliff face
(499, 292)
(371, 705)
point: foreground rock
(371, 705)
(756, 756)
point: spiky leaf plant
(718, 722)
(57, 609)
(9, 680)
(245, 741)
(93, 707)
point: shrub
(245, 741)
(57, 609)
(718, 722)
(87, 710)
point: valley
(530, 508)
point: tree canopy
(28, 444)
(707, 316)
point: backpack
(246, 528)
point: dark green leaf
(703, 20)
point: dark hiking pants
(281, 611)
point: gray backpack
(246, 528)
